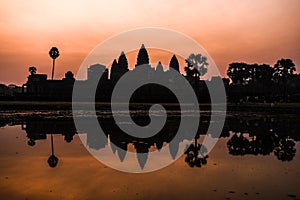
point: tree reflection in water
(37, 130)
(52, 160)
(196, 154)
(285, 151)
(259, 135)
(264, 137)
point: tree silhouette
(239, 73)
(283, 69)
(190, 70)
(69, 75)
(54, 53)
(199, 62)
(195, 156)
(52, 160)
(238, 145)
(286, 150)
(264, 73)
(31, 142)
(263, 136)
(32, 70)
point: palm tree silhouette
(54, 53)
(52, 160)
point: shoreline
(20, 110)
(56, 105)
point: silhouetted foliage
(285, 151)
(262, 83)
(32, 70)
(190, 70)
(239, 73)
(256, 135)
(263, 73)
(196, 155)
(69, 75)
(263, 137)
(31, 142)
(199, 62)
(54, 53)
(245, 82)
(52, 161)
(283, 69)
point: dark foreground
(256, 157)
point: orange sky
(232, 30)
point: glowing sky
(233, 30)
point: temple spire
(123, 63)
(142, 57)
(174, 63)
(159, 68)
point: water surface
(256, 157)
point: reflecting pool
(256, 157)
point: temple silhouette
(258, 83)
(38, 87)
